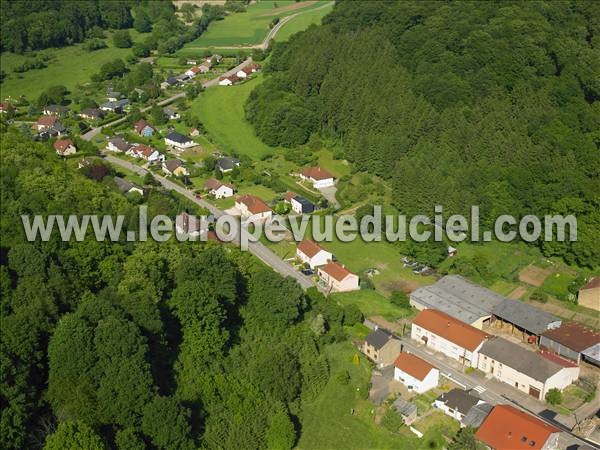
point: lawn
(251, 27)
(327, 422)
(301, 22)
(371, 303)
(70, 66)
(221, 110)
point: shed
(526, 320)
(407, 410)
(573, 341)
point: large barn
(523, 320)
(573, 341)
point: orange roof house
(338, 278)
(508, 428)
(64, 147)
(316, 173)
(249, 205)
(451, 329)
(313, 254)
(413, 365)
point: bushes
(94, 44)
(122, 39)
(554, 396)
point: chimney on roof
(510, 434)
(448, 323)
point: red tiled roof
(316, 173)
(62, 144)
(574, 336)
(254, 204)
(593, 283)
(508, 428)
(336, 271)
(551, 356)
(449, 328)
(309, 248)
(140, 125)
(144, 150)
(5, 106)
(47, 121)
(212, 183)
(413, 365)
(289, 195)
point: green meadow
(252, 26)
(69, 67)
(301, 22)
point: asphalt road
(258, 249)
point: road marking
(479, 389)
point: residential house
(113, 96)
(218, 189)
(6, 107)
(248, 70)
(589, 295)
(191, 62)
(143, 128)
(55, 110)
(457, 403)
(194, 132)
(192, 72)
(338, 278)
(509, 428)
(127, 187)
(118, 144)
(56, 130)
(92, 114)
(532, 373)
(45, 123)
(289, 195)
(204, 67)
(217, 58)
(174, 167)
(116, 107)
(145, 152)
(226, 164)
(169, 83)
(178, 142)
(170, 113)
(228, 80)
(311, 253)
(443, 333)
(459, 298)
(253, 208)
(415, 373)
(65, 147)
(573, 341)
(300, 205)
(319, 177)
(407, 410)
(190, 225)
(523, 319)
(381, 347)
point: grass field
(252, 26)
(302, 22)
(221, 110)
(371, 303)
(69, 66)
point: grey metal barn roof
(403, 407)
(476, 415)
(378, 338)
(519, 358)
(525, 316)
(458, 298)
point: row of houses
(229, 80)
(136, 150)
(336, 276)
(500, 427)
(199, 68)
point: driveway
(380, 384)
(329, 194)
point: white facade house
(450, 336)
(190, 225)
(312, 254)
(456, 403)
(178, 141)
(415, 373)
(319, 177)
(145, 152)
(533, 373)
(253, 209)
(218, 189)
(337, 278)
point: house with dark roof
(476, 415)
(509, 428)
(300, 205)
(174, 167)
(170, 82)
(337, 278)
(116, 107)
(523, 319)
(573, 341)
(457, 403)
(311, 253)
(450, 336)
(55, 110)
(407, 410)
(118, 144)
(226, 164)
(589, 294)
(178, 141)
(170, 113)
(415, 373)
(523, 369)
(92, 114)
(127, 187)
(381, 347)
(458, 297)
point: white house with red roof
(65, 147)
(313, 254)
(319, 177)
(252, 208)
(192, 72)
(248, 70)
(338, 278)
(415, 373)
(146, 153)
(218, 189)
(190, 225)
(229, 80)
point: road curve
(258, 249)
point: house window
(516, 384)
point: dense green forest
(495, 104)
(135, 345)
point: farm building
(444, 333)
(589, 295)
(381, 347)
(523, 320)
(459, 298)
(573, 341)
(525, 370)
